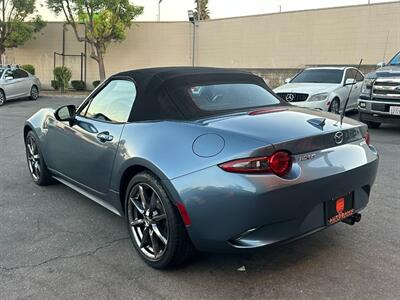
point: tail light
(367, 138)
(279, 163)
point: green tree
(202, 7)
(106, 22)
(19, 22)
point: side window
(20, 74)
(113, 103)
(9, 74)
(359, 77)
(350, 74)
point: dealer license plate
(339, 209)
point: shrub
(55, 85)
(29, 68)
(96, 83)
(78, 85)
(63, 76)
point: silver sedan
(17, 83)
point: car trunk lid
(291, 128)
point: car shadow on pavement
(270, 258)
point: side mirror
(287, 80)
(380, 65)
(350, 81)
(65, 113)
(8, 78)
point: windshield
(395, 60)
(231, 96)
(319, 76)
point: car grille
(386, 89)
(381, 107)
(293, 97)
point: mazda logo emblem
(289, 97)
(339, 137)
(397, 88)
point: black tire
(371, 124)
(2, 98)
(34, 93)
(40, 176)
(335, 106)
(177, 248)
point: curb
(62, 95)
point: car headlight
(319, 97)
(367, 86)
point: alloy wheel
(34, 93)
(33, 156)
(1, 98)
(335, 107)
(148, 221)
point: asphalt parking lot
(55, 243)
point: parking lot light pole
(192, 19)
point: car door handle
(105, 137)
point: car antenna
(348, 96)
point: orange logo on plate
(340, 205)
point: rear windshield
(319, 76)
(233, 96)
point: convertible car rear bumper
(230, 212)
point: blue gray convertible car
(203, 158)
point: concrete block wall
(274, 45)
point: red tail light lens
(367, 138)
(279, 163)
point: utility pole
(159, 11)
(198, 10)
(193, 20)
(280, 8)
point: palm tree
(202, 7)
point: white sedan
(16, 83)
(323, 88)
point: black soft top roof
(162, 93)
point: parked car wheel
(37, 167)
(34, 93)
(371, 124)
(2, 98)
(154, 223)
(335, 106)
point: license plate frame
(340, 208)
(394, 110)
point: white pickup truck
(379, 101)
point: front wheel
(37, 167)
(2, 98)
(154, 223)
(34, 93)
(335, 106)
(371, 124)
